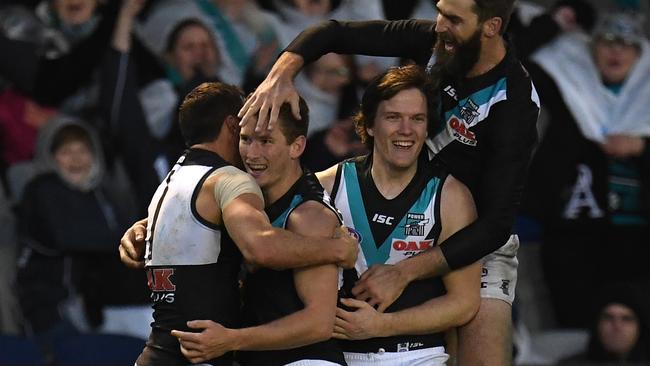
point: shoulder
(313, 218)
(228, 183)
(327, 177)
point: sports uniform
(390, 231)
(270, 295)
(486, 140)
(192, 265)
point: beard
(464, 56)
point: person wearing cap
(588, 182)
(620, 330)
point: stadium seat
(97, 350)
(20, 351)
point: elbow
(322, 331)
(321, 328)
(468, 311)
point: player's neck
(220, 149)
(278, 189)
(389, 180)
(492, 53)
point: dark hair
(486, 9)
(633, 296)
(385, 86)
(290, 126)
(70, 133)
(172, 39)
(204, 109)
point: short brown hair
(290, 126)
(486, 9)
(387, 85)
(204, 110)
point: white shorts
(499, 272)
(435, 356)
(312, 363)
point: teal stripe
(371, 252)
(281, 220)
(360, 219)
(480, 97)
(233, 45)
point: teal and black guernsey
(270, 295)
(389, 231)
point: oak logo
(460, 131)
(412, 245)
(159, 279)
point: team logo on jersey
(460, 131)
(411, 245)
(355, 234)
(159, 279)
(469, 111)
(415, 224)
(161, 285)
(451, 91)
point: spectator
(69, 221)
(620, 330)
(589, 180)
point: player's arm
(500, 189)
(455, 308)
(316, 286)
(266, 246)
(405, 38)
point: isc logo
(383, 219)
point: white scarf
(597, 110)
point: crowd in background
(89, 91)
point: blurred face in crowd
(75, 12)
(614, 59)
(74, 159)
(330, 73)
(458, 43)
(399, 129)
(618, 329)
(194, 52)
(313, 7)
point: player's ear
(298, 147)
(492, 27)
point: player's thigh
(487, 339)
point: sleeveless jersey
(271, 295)
(192, 264)
(390, 231)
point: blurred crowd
(89, 91)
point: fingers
(200, 324)
(295, 106)
(126, 259)
(193, 355)
(262, 116)
(248, 110)
(353, 303)
(186, 336)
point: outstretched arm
(404, 38)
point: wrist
(386, 325)
(405, 273)
(287, 66)
(238, 339)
